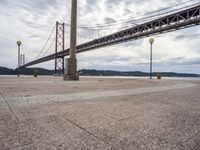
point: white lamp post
(151, 41)
(19, 43)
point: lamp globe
(151, 40)
(19, 43)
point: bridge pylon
(59, 46)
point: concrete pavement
(99, 113)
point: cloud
(32, 21)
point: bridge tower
(59, 46)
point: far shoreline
(110, 77)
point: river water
(117, 77)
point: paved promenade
(47, 113)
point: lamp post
(24, 60)
(151, 41)
(19, 43)
(21, 61)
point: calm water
(128, 77)
(117, 77)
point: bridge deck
(178, 20)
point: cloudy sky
(31, 21)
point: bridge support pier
(71, 63)
(70, 70)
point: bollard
(35, 73)
(158, 76)
(18, 73)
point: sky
(32, 21)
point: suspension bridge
(98, 36)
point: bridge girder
(176, 21)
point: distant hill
(86, 72)
(41, 71)
(6, 71)
(25, 71)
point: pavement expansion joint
(10, 108)
(56, 98)
(190, 138)
(85, 130)
(19, 146)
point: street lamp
(151, 41)
(19, 43)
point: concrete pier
(99, 113)
(71, 63)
